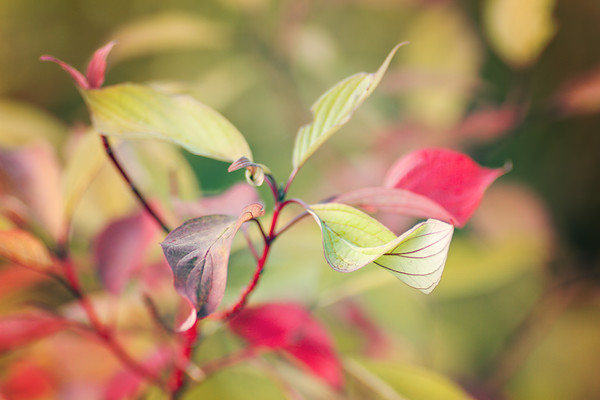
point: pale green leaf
(352, 239)
(334, 108)
(137, 111)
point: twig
(110, 152)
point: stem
(101, 330)
(290, 180)
(178, 380)
(111, 154)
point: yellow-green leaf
(137, 111)
(334, 108)
(519, 30)
(352, 239)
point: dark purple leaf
(198, 253)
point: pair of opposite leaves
(432, 183)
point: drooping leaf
(198, 253)
(519, 30)
(334, 108)
(255, 173)
(449, 178)
(137, 111)
(120, 248)
(22, 248)
(291, 328)
(352, 239)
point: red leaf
(198, 253)
(23, 328)
(120, 248)
(449, 178)
(97, 66)
(291, 328)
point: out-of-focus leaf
(440, 68)
(291, 328)
(167, 31)
(23, 328)
(23, 124)
(198, 253)
(394, 200)
(397, 381)
(137, 111)
(127, 383)
(451, 179)
(32, 174)
(230, 202)
(581, 95)
(23, 248)
(26, 380)
(84, 162)
(334, 108)
(15, 278)
(352, 239)
(120, 248)
(519, 30)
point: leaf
(449, 178)
(334, 108)
(136, 111)
(255, 173)
(25, 379)
(519, 30)
(581, 95)
(22, 248)
(394, 200)
(120, 248)
(291, 328)
(400, 381)
(230, 202)
(352, 239)
(23, 328)
(198, 253)
(32, 174)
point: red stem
(111, 154)
(177, 379)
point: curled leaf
(352, 239)
(449, 178)
(137, 111)
(334, 108)
(291, 328)
(198, 253)
(255, 173)
(22, 248)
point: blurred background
(516, 315)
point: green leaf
(352, 239)
(334, 108)
(137, 111)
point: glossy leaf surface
(334, 108)
(137, 111)
(352, 239)
(198, 253)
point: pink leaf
(97, 66)
(394, 200)
(23, 328)
(26, 380)
(77, 76)
(198, 253)
(449, 178)
(120, 248)
(290, 327)
(231, 202)
(32, 175)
